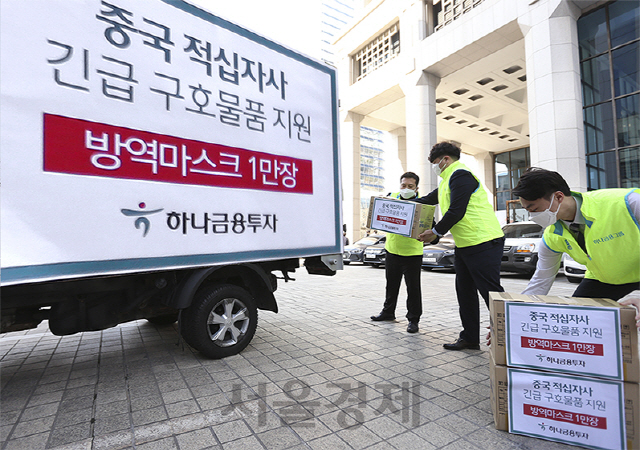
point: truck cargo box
(140, 136)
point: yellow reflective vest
(402, 245)
(479, 223)
(611, 234)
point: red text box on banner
(394, 220)
(562, 346)
(81, 147)
(565, 416)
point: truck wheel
(221, 321)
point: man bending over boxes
(600, 229)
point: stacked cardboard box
(565, 369)
(402, 217)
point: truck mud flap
(323, 265)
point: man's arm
(546, 271)
(462, 184)
(634, 205)
(430, 199)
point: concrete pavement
(317, 375)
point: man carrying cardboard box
(479, 239)
(600, 229)
(404, 258)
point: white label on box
(392, 216)
(571, 339)
(565, 408)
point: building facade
(334, 16)
(517, 83)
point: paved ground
(318, 375)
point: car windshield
(522, 230)
(369, 240)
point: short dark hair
(410, 175)
(444, 149)
(538, 183)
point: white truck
(159, 162)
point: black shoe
(461, 344)
(412, 327)
(383, 316)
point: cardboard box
(585, 411)
(582, 336)
(402, 217)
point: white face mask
(546, 217)
(407, 193)
(436, 168)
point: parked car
(574, 271)
(440, 255)
(375, 255)
(520, 252)
(355, 252)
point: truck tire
(573, 279)
(221, 320)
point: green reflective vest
(612, 237)
(402, 245)
(479, 223)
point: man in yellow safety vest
(600, 229)
(403, 259)
(479, 239)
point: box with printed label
(401, 217)
(582, 336)
(577, 410)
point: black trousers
(477, 270)
(410, 267)
(597, 289)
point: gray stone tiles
(318, 375)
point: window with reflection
(508, 167)
(609, 49)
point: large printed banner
(146, 134)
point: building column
(350, 159)
(395, 156)
(554, 90)
(420, 109)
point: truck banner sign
(139, 135)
